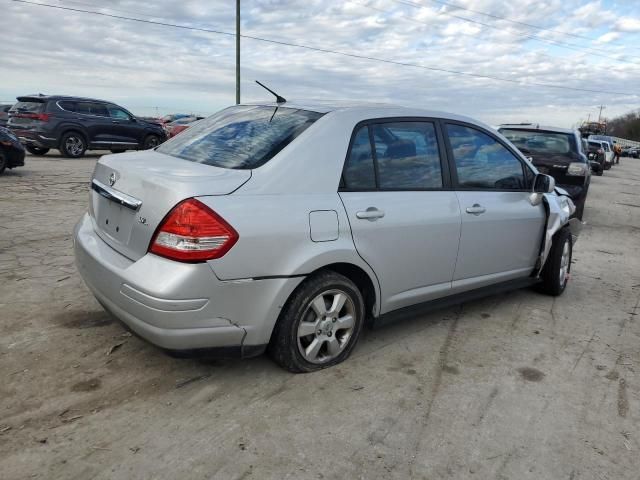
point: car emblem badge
(112, 179)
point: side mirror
(132, 119)
(543, 183)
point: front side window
(482, 162)
(241, 137)
(118, 113)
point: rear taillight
(192, 232)
(43, 117)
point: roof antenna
(279, 99)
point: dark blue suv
(74, 125)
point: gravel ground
(515, 386)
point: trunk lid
(132, 192)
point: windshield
(241, 137)
(544, 143)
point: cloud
(150, 68)
(628, 25)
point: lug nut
(334, 320)
(329, 334)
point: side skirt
(445, 302)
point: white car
(608, 155)
(289, 226)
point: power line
(510, 20)
(557, 43)
(414, 20)
(326, 50)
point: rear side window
(68, 106)
(92, 109)
(359, 171)
(241, 137)
(482, 162)
(31, 107)
(405, 156)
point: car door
(501, 228)
(125, 130)
(94, 117)
(404, 219)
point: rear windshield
(240, 137)
(546, 143)
(34, 107)
(595, 145)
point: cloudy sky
(150, 68)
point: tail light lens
(577, 169)
(192, 232)
(43, 117)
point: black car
(11, 150)
(74, 125)
(4, 114)
(557, 152)
(596, 153)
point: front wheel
(36, 150)
(555, 273)
(73, 145)
(151, 141)
(320, 324)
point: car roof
(367, 110)
(45, 98)
(536, 126)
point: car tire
(555, 273)
(118, 150)
(307, 336)
(3, 161)
(36, 150)
(150, 141)
(73, 145)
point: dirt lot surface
(516, 386)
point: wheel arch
(75, 129)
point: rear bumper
(35, 138)
(179, 306)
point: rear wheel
(73, 145)
(320, 324)
(151, 141)
(3, 160)
(555, 273)
(36, 150)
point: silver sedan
(288, 227)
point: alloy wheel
(74, 145)
(326, 326)
(565, 262)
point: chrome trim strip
(115, 143)
(114, 195)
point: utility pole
(600, 114)
(237, 52)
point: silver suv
(288, 226)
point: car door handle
(476, 209)
(371, 213)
